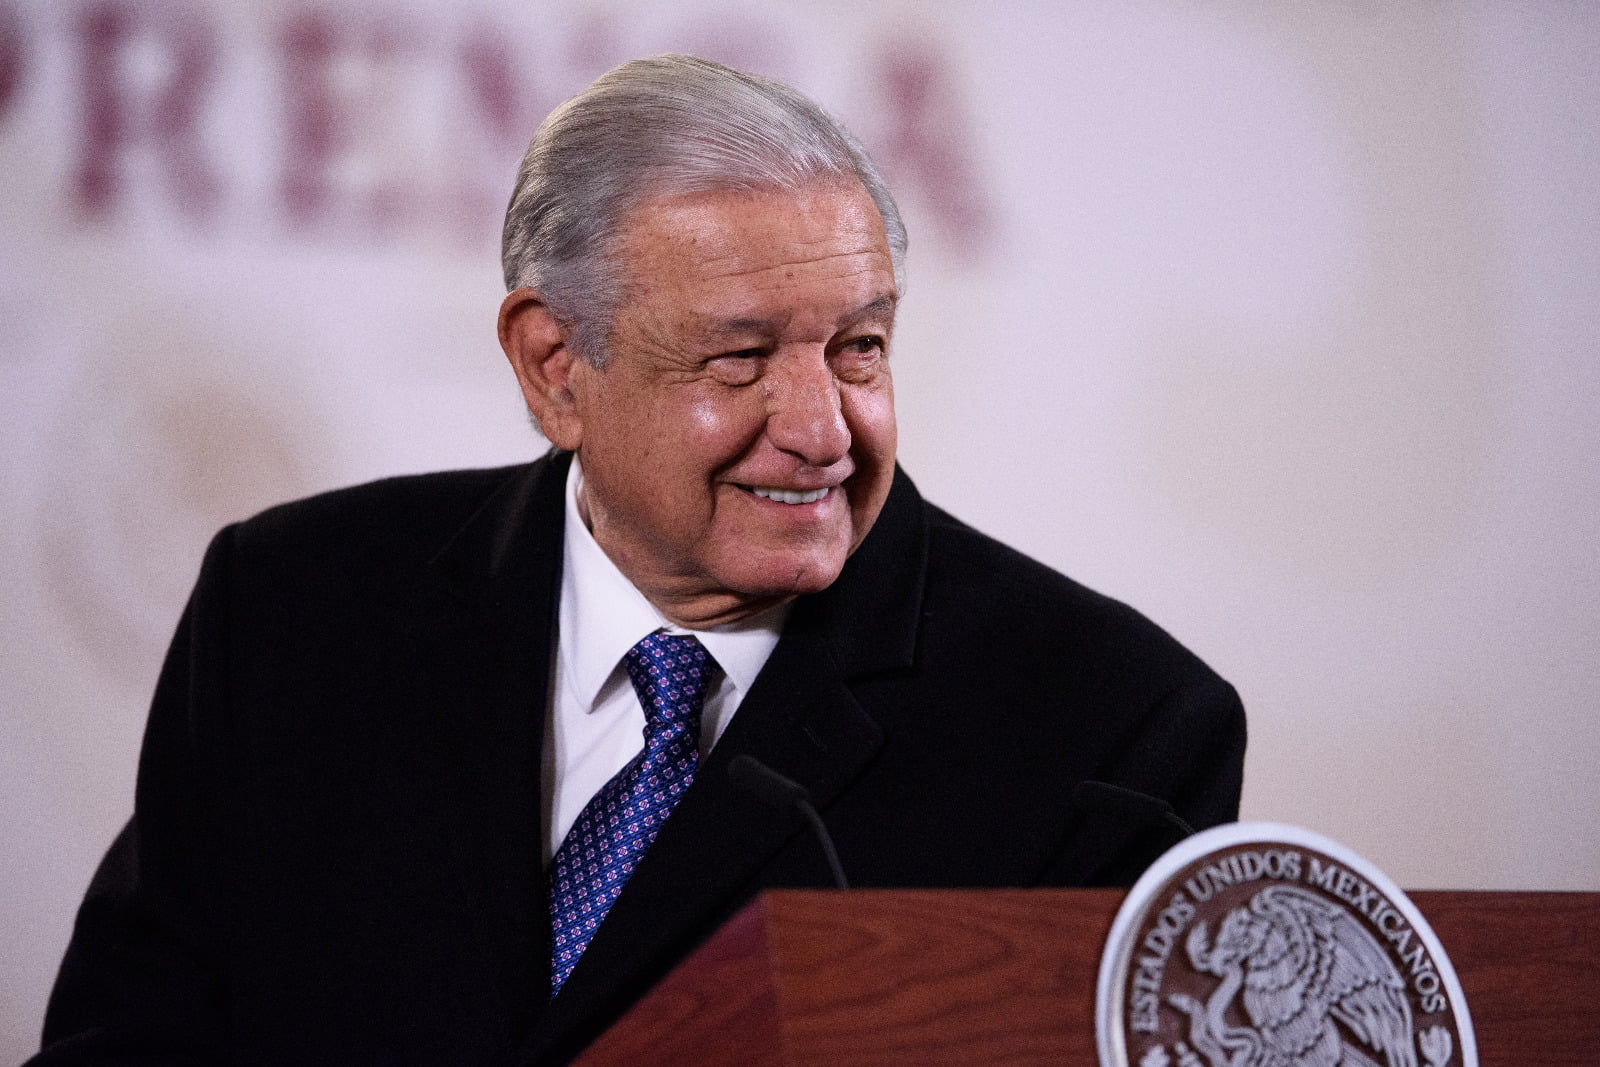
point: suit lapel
(481, 650)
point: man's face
(740, 441)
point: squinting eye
(737, 368)
(865, 346)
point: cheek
(870, 416)
(874, 435)
(707, 415)
(719, 426)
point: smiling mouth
(787, 496)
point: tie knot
(670, 672)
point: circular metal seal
(1261, 945)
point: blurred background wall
(1275, 319)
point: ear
(535, 342)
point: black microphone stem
(823, 836)
(785, 794)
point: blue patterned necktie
(670, 673)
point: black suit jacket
(334, 856)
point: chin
(792, 577)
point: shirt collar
(602, 615)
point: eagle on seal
(1298, 963)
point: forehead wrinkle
(788, 263)
(772, 325)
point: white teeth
(789, 496)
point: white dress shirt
(596, 723)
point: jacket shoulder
(1032, 609)
(407, 514)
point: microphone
(1103, 798)
(753, 776)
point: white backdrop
(1276, 320)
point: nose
(805, 416)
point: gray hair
(670, 124)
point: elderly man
(393, 806)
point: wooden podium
(920, 978)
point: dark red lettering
(315, 126)
(11, 44)
(331, 111)
(495, 83)
(924, 144)
(501, 110)
(126, 105)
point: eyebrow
(744, 326)
(880, 306)
(883, 305)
